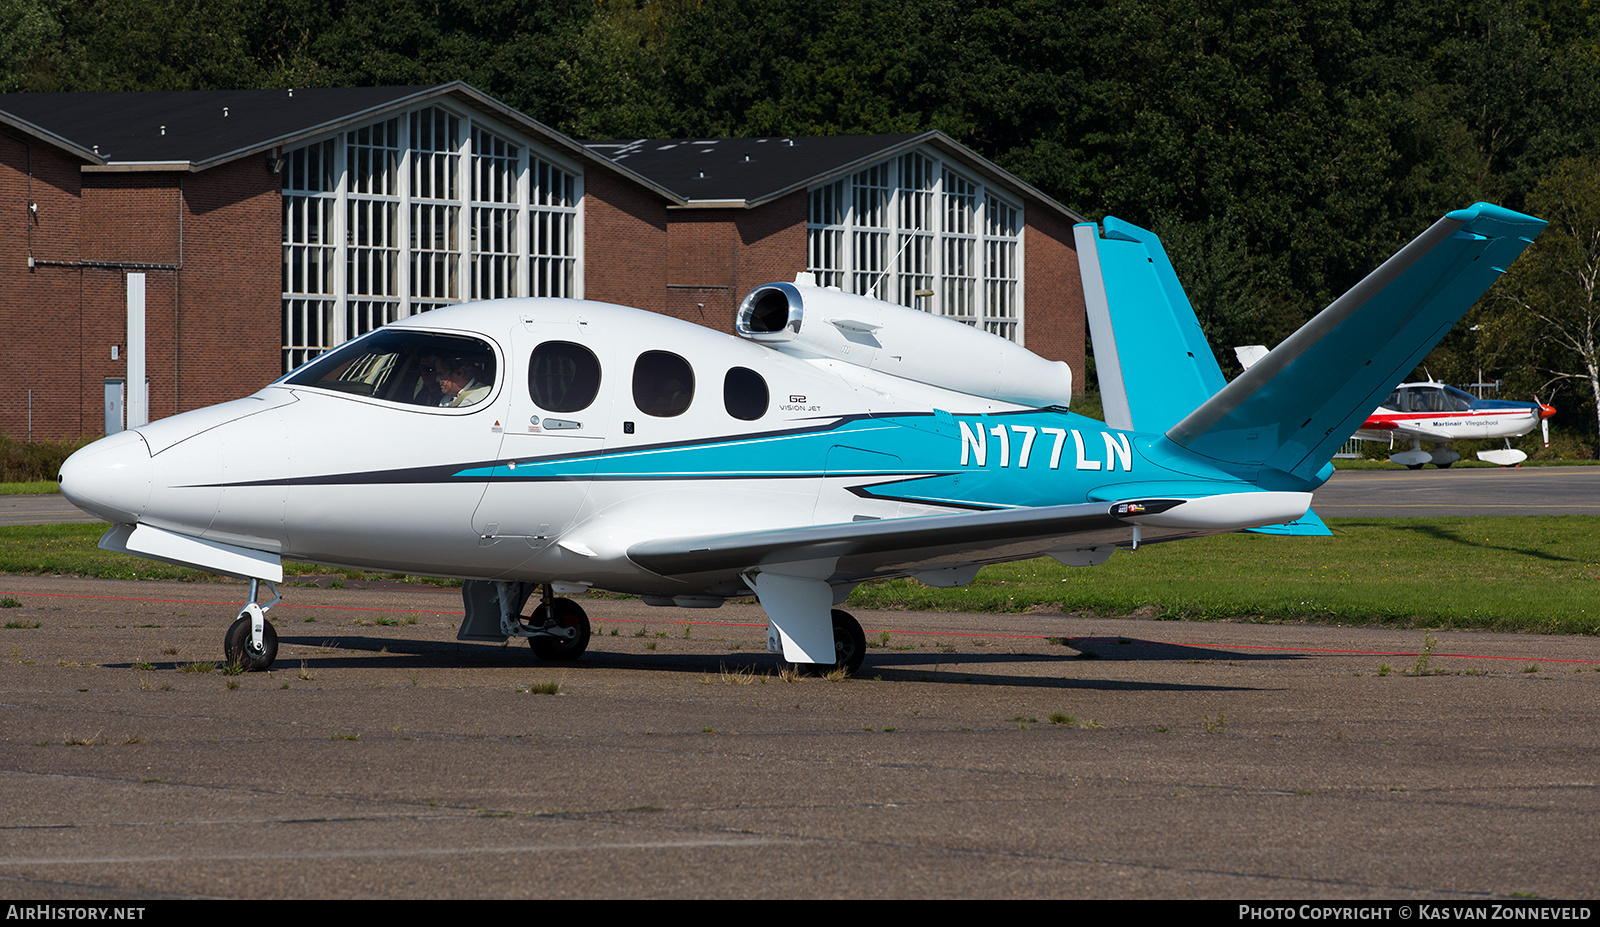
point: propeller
(1544, 419)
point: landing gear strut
(251, 642)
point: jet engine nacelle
(809, 321)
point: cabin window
(1429, 399)
(416, 368)
(663, 384)
(1457, 400)
(744, 394)
(563, 377)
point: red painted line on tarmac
(735, 624)
(118, 598)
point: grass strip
(30, 488)
(71, 550)
(1529, 573)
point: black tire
(568, 614)
(1443, 466)
(1413, 466)
(849, 643)
(849, 646)
(236, 646)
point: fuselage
(1443, 413)
(591, 427)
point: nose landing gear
(251, 642)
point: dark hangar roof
(735, 172)
(750, 170)
(197, 126)
(197, 129)
(202, 128)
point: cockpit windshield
(1429, 398)
(417, 368)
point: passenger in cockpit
(427, 392)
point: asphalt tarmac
(1460, 491)
(975, 756)
(1016, 756)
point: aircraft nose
(110, 478)
(1546, 411)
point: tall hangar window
(915, 231)
(422, 210)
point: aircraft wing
(926, 545)
(1405, 430)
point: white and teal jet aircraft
(541, 447)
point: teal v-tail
(536, 448)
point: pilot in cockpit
(459, 381)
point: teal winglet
(1152, 357)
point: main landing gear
(558, 628)
(251, 642)
(1416, 458)
(849, 646)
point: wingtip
(1494, 213)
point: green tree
(1548, 318)
(29, 33)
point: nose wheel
(244, 652)
(251, 642)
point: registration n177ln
(536, 448)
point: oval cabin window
(744, 394)
(663, 384)
(563, 377)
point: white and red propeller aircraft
(548, 446)
(1436, 414)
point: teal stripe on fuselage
(1022, 459)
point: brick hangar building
(271, 225)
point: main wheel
(568, 614)
(849, 643)
(239, 649)
(849, 647)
